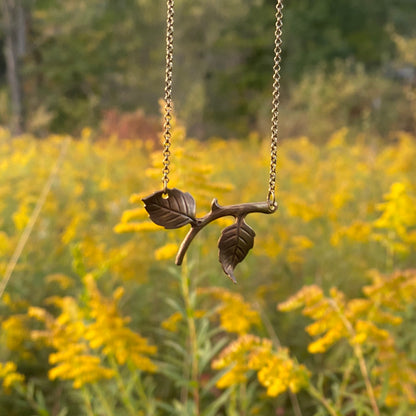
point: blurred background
(70, 64)
(95, 318)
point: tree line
(66, 63)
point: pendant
(174, 209)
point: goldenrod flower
(358, 231)
(398, 216)
(109, 331)
(296, 251)
(10, 376)
(62, 280)
(166, 252)
(76, 342)
(135, 227)
(275, 369)
(235, 314)
(234, 357)
(21, 216)
(359, 322)
(171, 323)
(281, 373)
(73, 359)
(16, 332)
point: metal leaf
(234, 244)
(175, 211)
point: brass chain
(167, 135)
(271, 195)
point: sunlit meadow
(97, 320)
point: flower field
(96, 319)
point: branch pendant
(175, 209)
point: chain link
(168, 95)
(167, 136)
(271, 196)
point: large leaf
(175, 211)
(234, 244)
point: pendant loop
(271, 200)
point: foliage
(347, 95)
(97, 320)
(82, 59)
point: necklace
(172, 208)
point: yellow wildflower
(358, 231)
(234, 357)
(326, 313)
(299, 244)
(337, 139)
(10, 376)
(86, 133)
(235, 314)
(394, 291)
(359, 322)
(62, 280)
(171, 323)
(136, 214)
(303, 209)
(398, 214)
(137, 199)
(16, 333)
(311, 294)
(281, 373)
(71, 229)
(72, 359)
(275, 369)
(365, 330)
(109, 331)
(4, 243)
(135, 227)
(80, 367)
(21, 216)
(166, 252)
(400, 157)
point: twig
(217, 211)
(32, 220)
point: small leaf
(175, 211)
(234, 244)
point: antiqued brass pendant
(172, 208)
(175, 209)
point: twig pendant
(175, 209)
(172, 208)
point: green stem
(314, 392)
(25, 394)
(87, 401)
(345, 381)
(243, 399)
(360, 357)
(193, 343)
(275, 340)
(125, 397)
(103, 399)
(390, 250)
(143, 396)
(232, 407)
(363, 368)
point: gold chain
(271, 195)
(168, 95)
